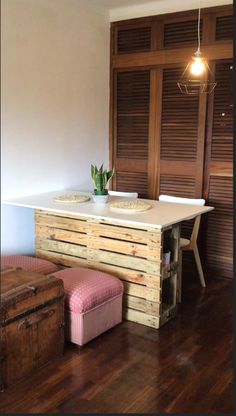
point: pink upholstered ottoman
(93, 303)
(29, 264)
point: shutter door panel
(219, 173)
(132, 131)
(179, 139)
(179, 127)
(224, 27)
(133, 92)
(133, 95)
(181, 33)
(220, 225)
(222, 130)
(182, 186)
(179, 149)
(133, 182)
(134, 39)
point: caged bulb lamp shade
(197, 76)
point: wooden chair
(185, 244)
(125, 194)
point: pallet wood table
(129, 246)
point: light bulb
(198, 66)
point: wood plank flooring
(184, 367)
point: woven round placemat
(130, 206)
(71, 198)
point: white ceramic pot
(166, 258)
(100, 199)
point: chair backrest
(178, 200)
(189, 201)
(125, 194)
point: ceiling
(128, 9)
(113, 4)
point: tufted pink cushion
(87, 288)
(29, 264)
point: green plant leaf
(110, 174)
(101, 177)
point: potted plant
(101, 178)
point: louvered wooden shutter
(220, 225)
(132, 131)
(133, 182)
(222, 129)
(132, 114)
(224, 27)
(181, 33)
(179, 128)
(134, 39)
(219, 172)
(179, 139)
(164, 142)
(177, 185)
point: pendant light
(197, 75)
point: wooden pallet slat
(122, 225)
(141, 291)
(100, 243)
(122, 260)
(99, 229)
(149, 280)
(141, 318)
(142, 305)
(133, 254)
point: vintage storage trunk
(31, 323)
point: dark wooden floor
(184, 367)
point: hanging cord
(198, 30)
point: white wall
(55, 104)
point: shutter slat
(179, 123)
(133, 96)
(181, 33)
(183, 186)
(134, 40)
(132, 182)
(224, 27)
(220, 224)
(222, 129)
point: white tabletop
(161, 214)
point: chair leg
(179, 285)
(199, 266)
